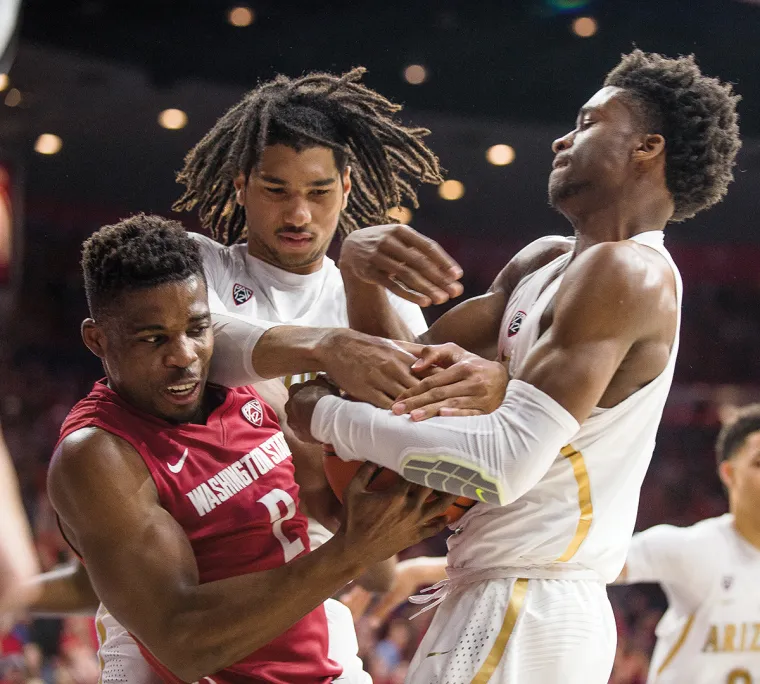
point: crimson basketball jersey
(230, 485)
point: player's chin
(299, 258)
(179, 409)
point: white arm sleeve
(235, 337)
(494, 458)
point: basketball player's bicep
(574, 373)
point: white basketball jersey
(710, 633)
(579, 518)
(245, 285)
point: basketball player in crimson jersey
(179, 496)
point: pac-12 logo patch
(241, 294)
(253, 412)
(515, 323)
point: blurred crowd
(45, 369)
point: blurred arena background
(100, 100)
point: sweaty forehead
(297, 166)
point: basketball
(339, 473)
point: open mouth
(184, 393)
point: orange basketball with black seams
(339, 473)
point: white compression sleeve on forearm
(494, 458)
(234, 339)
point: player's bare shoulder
(92, 459)
(629, 277)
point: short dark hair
(319, 109)
(697, 117)
(138, 252)
(733, 435)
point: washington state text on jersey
(236, 477)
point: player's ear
(649, 147)
(726, 473)
(240, 183)
(94, 337)
(346, 186)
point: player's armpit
(622, 578)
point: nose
(298, 213)
(181, 353)
(562, 143)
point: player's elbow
(186, 656)
(191, 649)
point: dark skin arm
(474, 324)
(157, 595)
(67, 590)
(369, 368)
(18, 559)
(611, 331)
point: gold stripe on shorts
(584, 502)
(677, 645)
(516, 601)
(100, 627)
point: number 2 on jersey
(272, 500)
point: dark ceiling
(97, 73)
(513, 59)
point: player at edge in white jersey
(711, 630)
(588, 329)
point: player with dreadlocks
(294, 162)
(587, 328)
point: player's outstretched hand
(382, 523)
(468, 384)
(402, 260)
(369, 368)
(302, 400)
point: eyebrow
(155, 327)
(319, 183)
